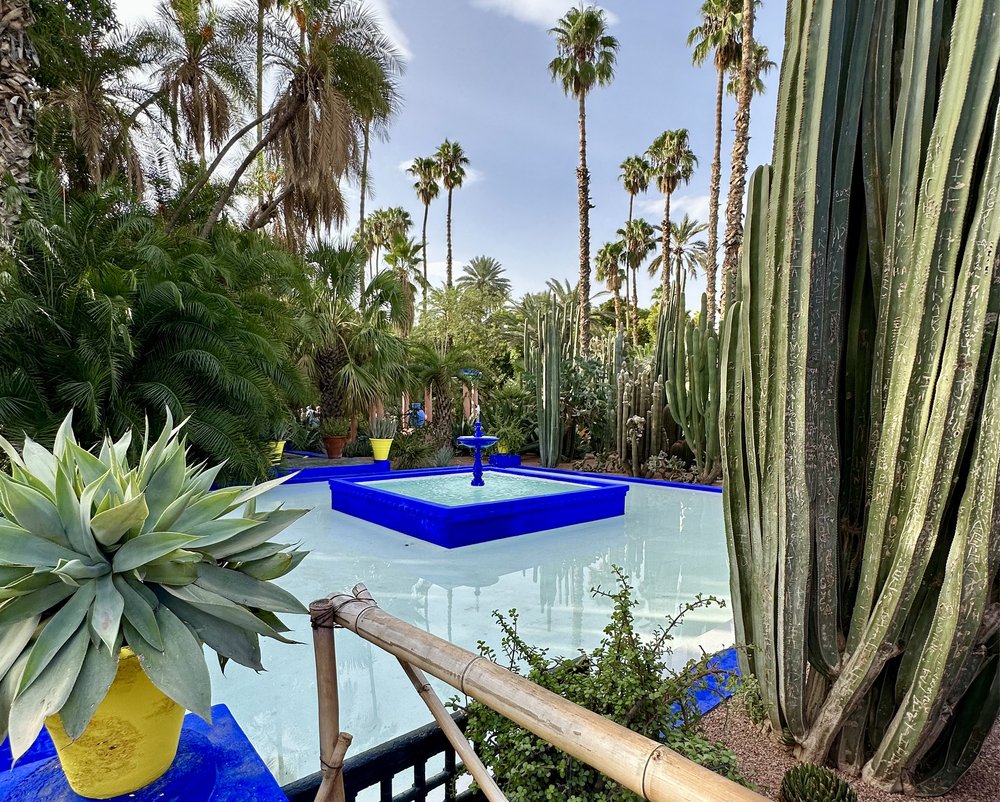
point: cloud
(694, 206)
(381, 8)
(472, 175)
(543, 13)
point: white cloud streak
(543, 13)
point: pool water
(670, 542)
(456, 490)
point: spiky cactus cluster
(809, 783)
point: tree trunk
(427, 208)
(364, 193)
(711, 262)
(583, 198)
(618, 310)
(260, 97)
(442, 426)
(738, 174)
(628, 303)
(635, 306)
(17, 110)
(665, 254)
(448, 231)
(329, 363)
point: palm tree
(638, 240)
(635, 178)
(607, 268)
(689, 253)
(673, 163)
(17, 118)
(718, 36)
(202, 68)
(425, 170)
(404, 259)
(451, 160)
(485, 276)
(760, 65)
(439, 370)
(585, 58)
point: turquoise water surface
(670, 542)
(456, 490)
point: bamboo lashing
(640, 764)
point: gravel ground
(763, 761)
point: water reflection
(670, 543)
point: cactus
(861, 382)
(543, 359)
(808, 783)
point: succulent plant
(99, 551)
(809, 783)
(443, 457)
(383, 428)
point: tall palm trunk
(665, 256)
(260, 96)
(738, 174)
(427, 208)
(364, 191)
(631, 323)
(711, 261)
(618, 309)
(628, 305)
(329, 363)
(448, 231)
(635, 305)
(583, 198)
(17, 111)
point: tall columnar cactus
(543, 359)
(861, 383)
(689, 351)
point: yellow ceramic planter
(380, 448)
(131, 741)
(277, 451)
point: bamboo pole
(640, 764)
(457, 738)
(333, 743)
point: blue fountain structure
(478, 442)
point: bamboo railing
(644, 766)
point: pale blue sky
(477, 72)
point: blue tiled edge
(614, 477)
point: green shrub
(625, 679)
(443, 457)
(412, 450)
(360, 446)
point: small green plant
(383, 428)
(625, 679)
(412, 450)
(511, 437)
(809, 783)
(601, 463)
(304, 438)
(747, 696)
(443, 457)
(335, 427)
(100, 551)
(360, 446)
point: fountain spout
(477, 442)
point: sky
(477, 72)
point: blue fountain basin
(471, 441)
(441, 507)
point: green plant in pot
(277, 438)
(511, 438)
(114, 574)
(383, 430)
(334, 432)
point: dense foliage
(625, 678)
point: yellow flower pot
(277, 451)
(380, 448)
(131, 741)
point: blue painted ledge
(215, 763)
(714, 691)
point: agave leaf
(31, 582)
(201, 482)
(120, 449)
(222, 608)
(275, 523)
(11, 452)
(8, 685)
(56, 632)
(13, 638)
(229, 640)
(33, 511)
(261, 552)
(46, 695)
(34, 603)
(219, 531)
(74, 572)
(107, 612)
(96, 675)
(111, 525)
(179, 670)
(139, 609)
(90, 467)
(144, 549)
(166, 520)
(170, 574)
(164, 486)
(247, 591)
(39, 462)
(64, 436)
(205, 509)
(257, 490)
(18, 547)
(68, 505)
(269, 567)
(272, 621)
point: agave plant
(99, 551)
(384, 428)
(809, 783)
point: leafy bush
(335, 427)
(625, 679)
(414, 450)
(443, 457)
(360, 446)
(305, 438)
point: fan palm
(439, 370)
(485, 275)
(672, 162)
(404, 259)
(349, 345)
(638, 239)
(425, 170)
(17, 118)
(608, 270)
(689, 253)
(716, 36)
(635, 178)
(201, 68)
(760, 65)
(585, 58)
(451, 163)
